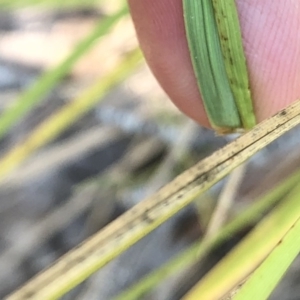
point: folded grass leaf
(209, 67)
(235, 61)
(217, 54)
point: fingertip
(161, 33)
(271, 38)
(272, 45)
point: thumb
(271, 37)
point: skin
(271, 38)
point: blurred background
(125, 144)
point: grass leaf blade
(208, 63)
(250, 253)
(264, 279)
(234, 58)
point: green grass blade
(249, 254)
(264, 280)
(208, 63)
(46, 82)
(235, 61)
(199, 249)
